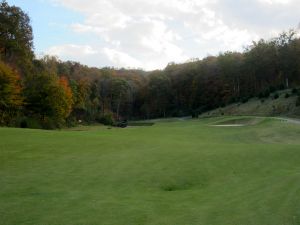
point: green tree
(231, 68)
(48, 97)
(16, 38)
(120, 91)
(159, 92)
(288, 53)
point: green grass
(172, 173)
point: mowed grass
(172, 173)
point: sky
(149, 34)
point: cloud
(71, 50)
(85, 54)
(149, 34)
(271, 2)
(121, 59)
(93, 55)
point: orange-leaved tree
(66, 99)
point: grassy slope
(173, 173)
(270, 107)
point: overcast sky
(149, 34)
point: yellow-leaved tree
(10, 93)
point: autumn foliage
(10, 93)
(66, 98)
(55, 93)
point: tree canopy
(16, 38)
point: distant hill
(284, 105)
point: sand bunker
(237, 122)
(229, 125)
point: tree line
(48, 93)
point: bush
(106, 119)
(294, 91)
(233, 100)
(267, 94)
(281, 87)
(287, 95)
(264, 94)
(272, 89)
(261, 95)
(276, 96)
(195, 114)
(222, 105)
(298, 101)
(51, 124)
(244, 100)
(26, 122)
(71, 121)
(36, 122)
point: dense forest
(48, 93)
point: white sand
(229, 125)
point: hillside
(282, 106)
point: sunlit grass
(172, 173)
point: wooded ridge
(48, 93)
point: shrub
(26, 122)
(272, 89)
(233, 100)
(244, 100)
(195, 114)
(71, 121)
(298, 101)
(264, 94)
(294, 91)
(106, 119)
(50, 123)
(287, 95)
(281, 87)
(222, 105)
(36, 122)
(276, 96)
